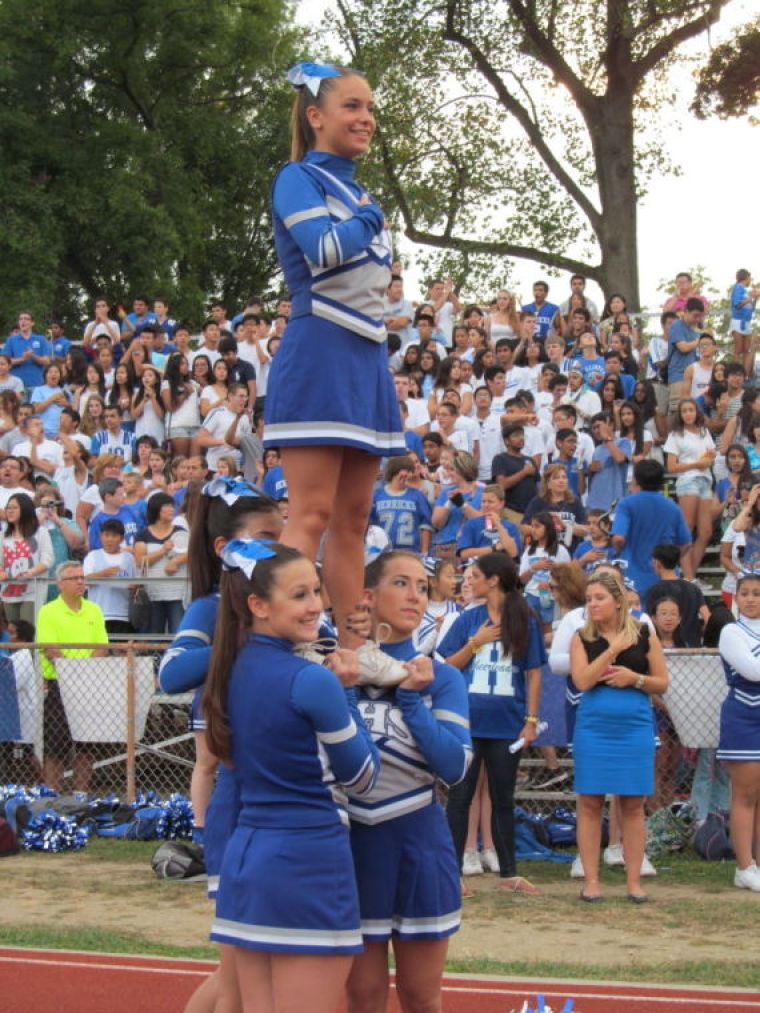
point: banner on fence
(94, 693)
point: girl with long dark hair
(499, 649)
(179, 395)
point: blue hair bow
(311, 75)
(229, 489)
(244, 553)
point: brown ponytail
(302, 137)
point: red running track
(55, 981)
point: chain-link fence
(94, 723)
(102, 725)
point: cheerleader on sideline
(287, 899)
(331, 404)
(406, 867)
(739, 745)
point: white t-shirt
(209, 394)
(418, 413)
(444, 321)
(533, 553)
(48, 450)
(491, 444)
(211, 354)
(71, 491)
(5, 494)
(113, 599)
(736, 540)
(187, 415)
(217, 422)
(689, 447)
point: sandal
(519, 884)
(466, 892)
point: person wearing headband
(331, 404)
(292, 733)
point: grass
(693, 901)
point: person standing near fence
(739, 745)
(68, 619)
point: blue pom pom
(51, 832)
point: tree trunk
(612, 137)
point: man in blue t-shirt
(683, 340)
(58, 342)
(134, 322)
(609, 465)
(403, 513)
(29, 352)
(545, 311)
(645, 519)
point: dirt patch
(679, 924)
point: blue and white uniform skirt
(740, 728)
(329, 386)
(221, 819)
(288, 890)
(408, 878)
(197, 722)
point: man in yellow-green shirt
(68, 619)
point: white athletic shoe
(748, 879)
(489, 860)
(613, 856)
(647, 869)
(471, 863)
(377, 668)
(576, 869)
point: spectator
(515, 473)
(65, 536)
(112, 493)
(224, 426)
(645, 519)
(490, 532)
(7, 380)
(101, 324)
(69, 619)
(161, 552)
(113, 439)
(91, 502)
(238, 370)
(45, 455)
(10, 481)
(398, 311)
(26, 552)
(111, 561)
(692, 609)
(545, 311)
(179, 395)
(147, 408)
(210, 344)
(403, 513)
(578, 287)
(683, 341)
(28, 352)
(133, 323)
(556, 497)
(684, 291)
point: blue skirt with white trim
(740, 729)
(288, 890)
(329, 386)
(408, 878)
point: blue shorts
(739, 731)
(288, 890)
(221, 820)
(694, 485)
(408, 878)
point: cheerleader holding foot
(287, 900)
(331, 404)
(739, 745)
(406, 867)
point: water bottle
(545, 598)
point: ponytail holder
(311, 75)
(244, 553)
(229, 489)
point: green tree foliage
(729, 84)
(138, 142)
(513, 128)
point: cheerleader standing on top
(406, 867)
(331, 404)
(287, 899)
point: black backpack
(178, 860)
(711, 841)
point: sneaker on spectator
(489, 860)
(748, 879)
(647, 869)
(613, 856)
(523, 780)
(550, 778)
(576, 869)
(471, 863)
(703, 586)
(377, 668)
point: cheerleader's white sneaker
(377, 668)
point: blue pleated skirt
(329, 386)
(739, 730)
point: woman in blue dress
(287, 900)
(499, 649)
(739, 745)
(406, 867)
(331, 405)
(617, 664)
